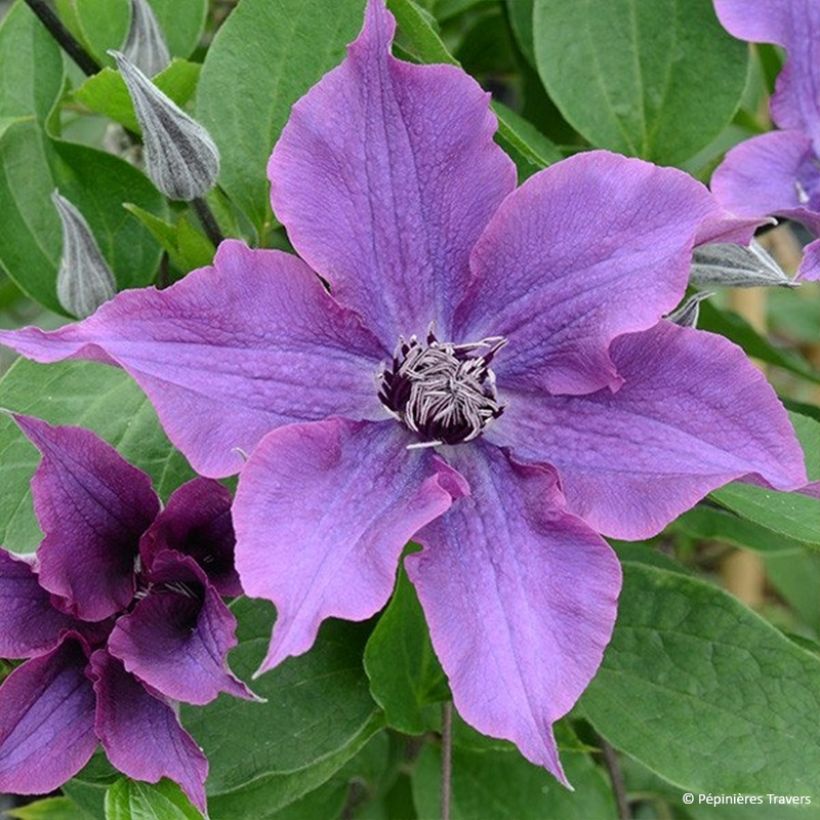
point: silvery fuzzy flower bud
(737, 266)
(84, 280)
(145, 45)
(180, 156)
(686, 315)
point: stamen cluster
(445, 392)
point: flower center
(443, 391)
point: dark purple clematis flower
(490, 377)
(779, 172)
(120, 616)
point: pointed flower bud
(686, 315)
(145, 46)
(737, 266)
(84, 280)
(180, 156)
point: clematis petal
(795, 25)
(197, 522)
(693, 414)
(763, 176)
(385, 176)
(177, 638)
(29, 624)
(46, 721)
(229, 352)
(810, 266)
(520, 598)
(322, 514)
(592, 247)
(141, 734)
(93, 507)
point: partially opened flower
(779, 172)
(120, 617)
(489, 376)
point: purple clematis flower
(779, 172)
(489, 376)
(120, 616)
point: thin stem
(446, 758)
(64, 37)
(617, 778)
(208, 220)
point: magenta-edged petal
(810, 265)
(177, 638)
(229, 352)
(795, 25)
(46, 721)
(93, 507)
(197, 522)
(592, 247)
(385, 176)
(322, 513)
(141, 734)
(520, 598)
(693, 414)
(774, 173)
(29, 624)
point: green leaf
(106, 94)
(657, 79)
(103, 24)
(796, 577)
(504, 786)
(267, 54)
(31, 66)
(707, 523)
(705, 692)
(642, 553)
(738, 330)
(186, 246)
(132, 800)
(52, 808)
(101, 398)
(318, 715)
(405, 676)
(32, 165)
(521, 13)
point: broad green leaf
(708, 523)
(657, 79)
(738, 330)
(89, 788)
(521, 13)
(31, 66)
(796, 577)
(405, 676)
(705, 692)
(186, 247)
(101, 398)
(267, 54)
(318, 715)
(502, 785)
(103, 24)
(105, 93)
(793, 515)
(51, 808)
(132, 800)
(32, 165)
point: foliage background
(699, 691)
